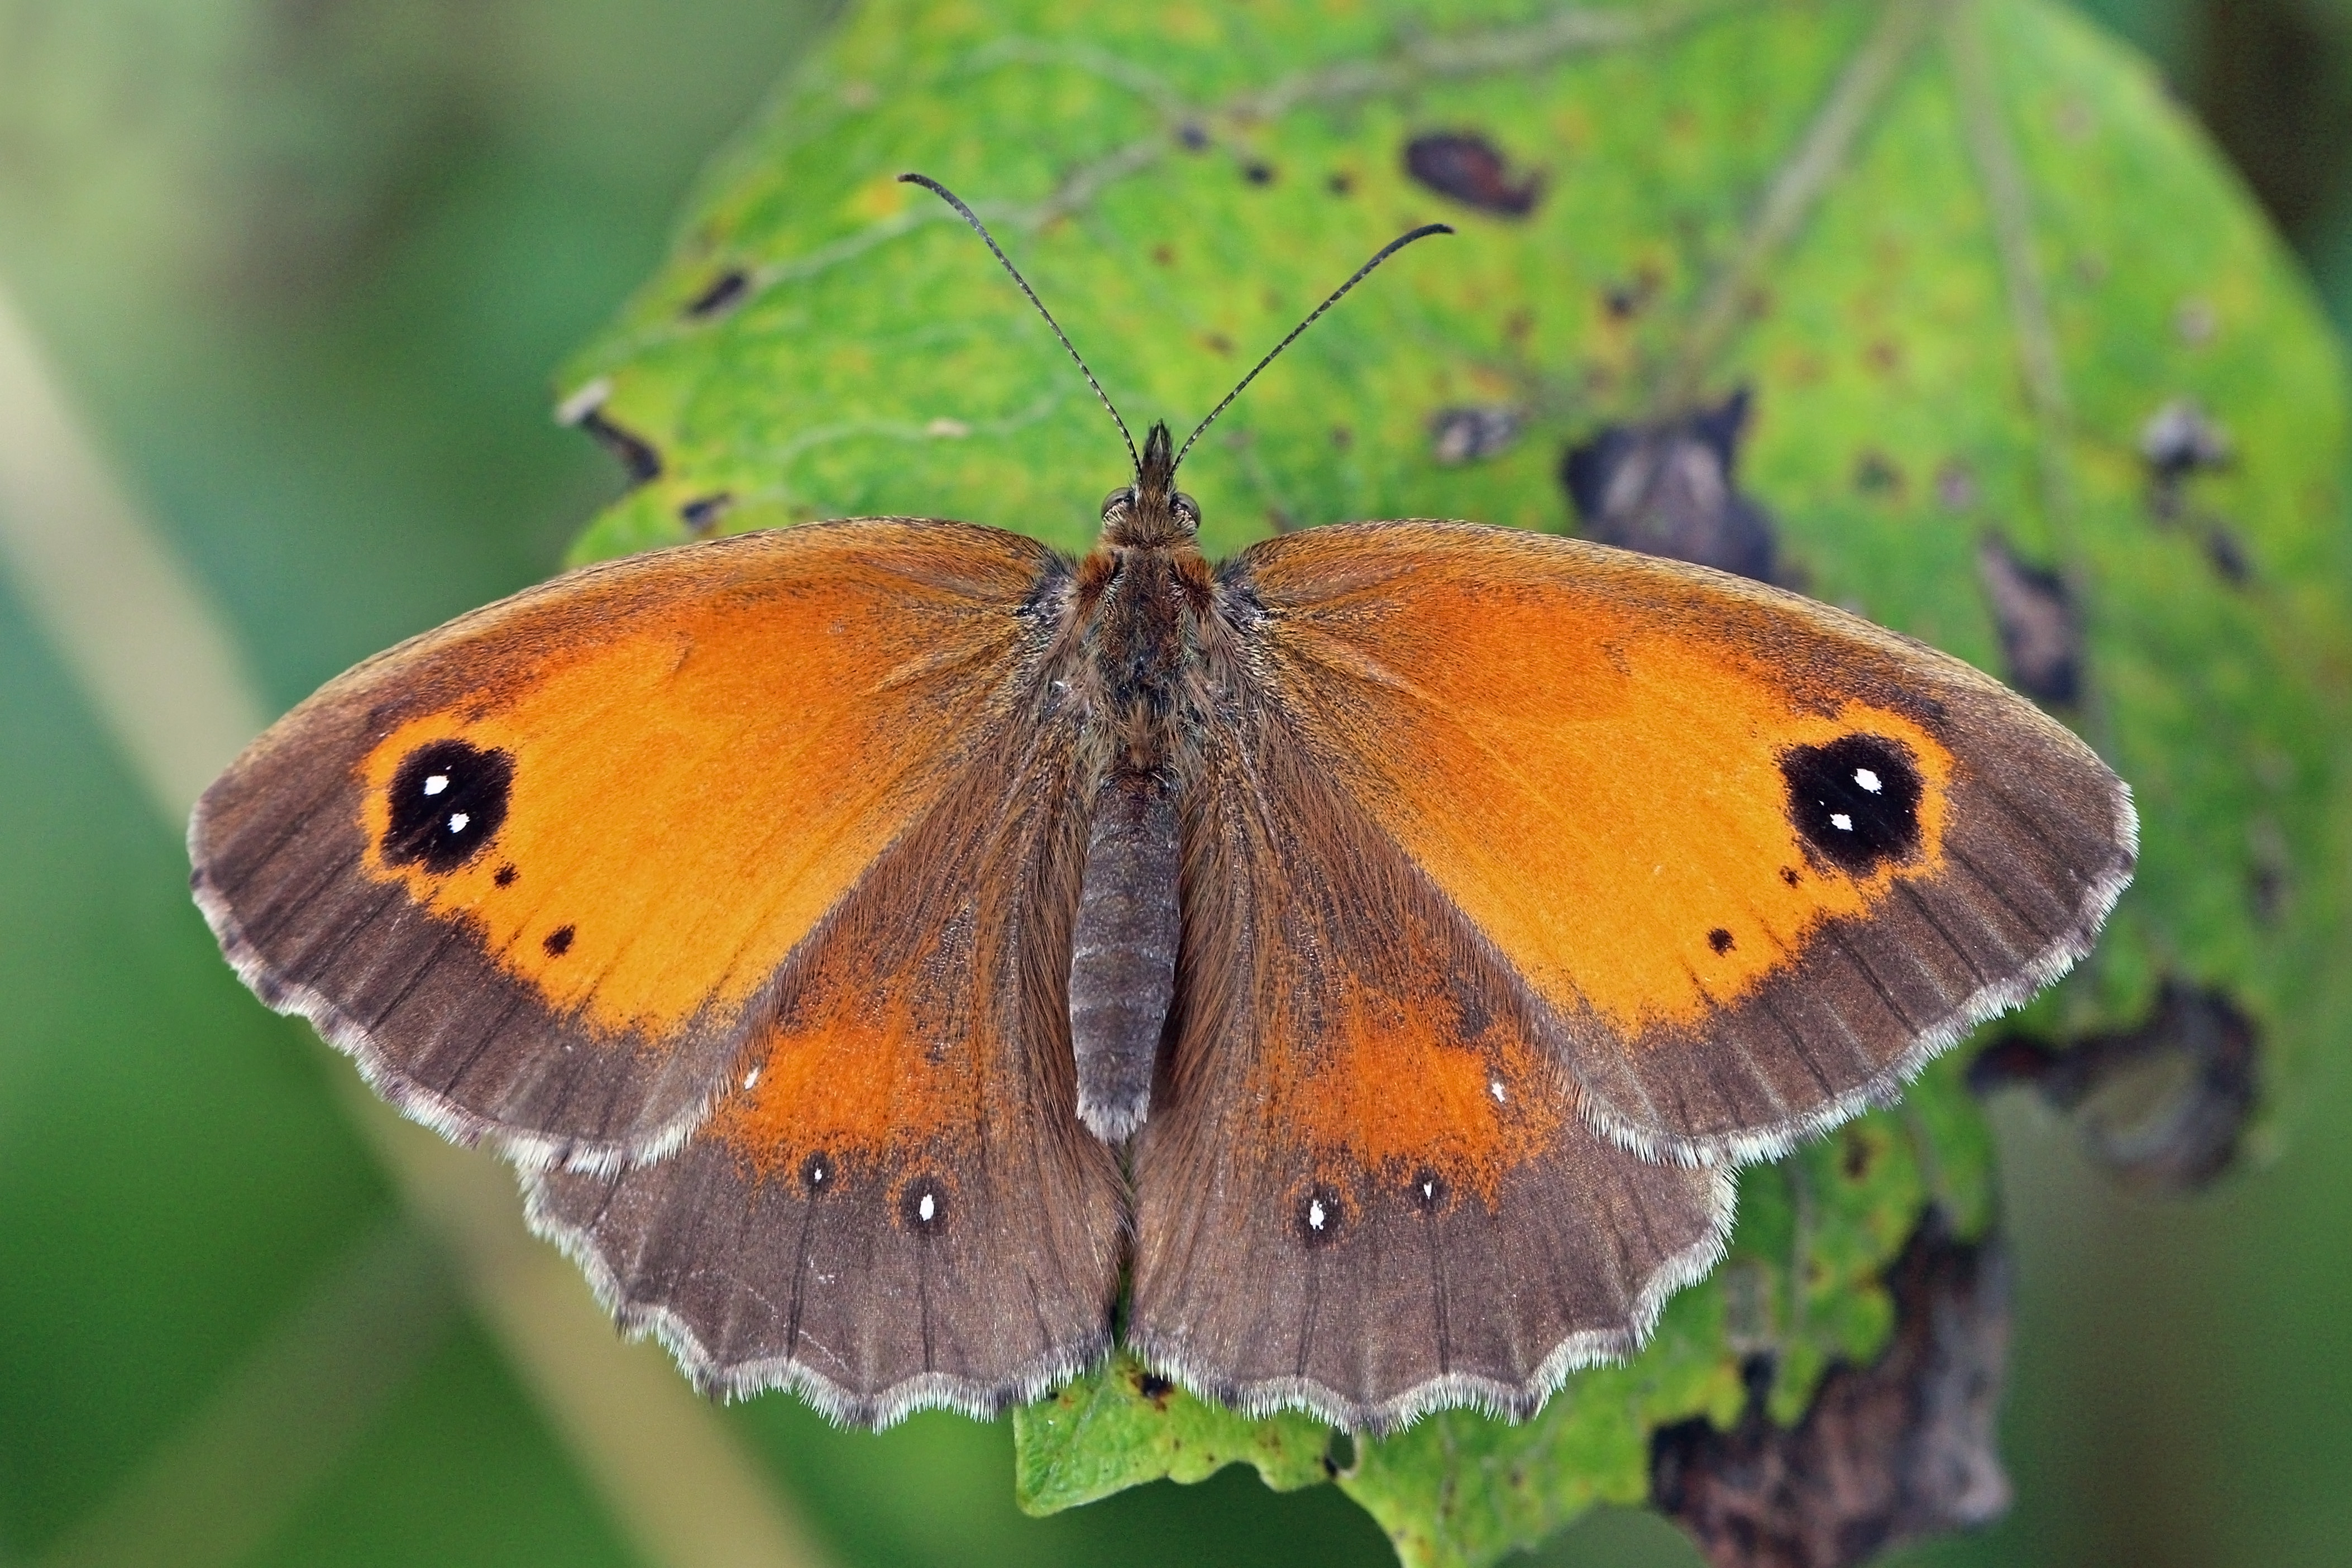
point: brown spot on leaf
(2163, 1106)
(1468, 168)
(1667, 489)
(1459, 436)
(725, 290)
(1891, 1452)
(1955, 485)
(701, 514)
(2178, 439)
(1625, 300)
(2040, 633)
(2226, 554)
(638, 459)
(1875, 474)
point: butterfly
(895, 951)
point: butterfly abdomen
(1138, 636)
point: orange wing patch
(1403, 1083)
(687, 801)
(1756, 857)
(896, 1204)
(1599, 788)
(536, 869)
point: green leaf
(1123, 1426)
(1960, 254)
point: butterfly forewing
(539, 870)
(1750, 859)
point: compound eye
(1118, 500)
(1188, 510)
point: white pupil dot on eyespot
(457, 820)
(1841, 822)
(750, 1078)
(1495, 1086)
(1429, 1189)
(436, 784)
(1867, 780)
(1315, 1214)
(926, 1208)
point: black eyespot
(559, 941)
(1720, 940)
(817, 1174)
(923, 1207)
(1428, 1191)
(1855, 802)
(1321, 1214)
(448, 800)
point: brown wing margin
(1365, 1188)
(665, 770)
(895, 1206)
(1668, 800)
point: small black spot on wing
(923, 1206)
(1856, 801)
(449, 799)
(1428, 1190)
(506, 877)
(1320, 1215)
(559, 941)
(817, 1174)
(1720, 940)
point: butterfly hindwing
(895, 1206)
(539, 870)
(1750, 859)
(1365, 1187)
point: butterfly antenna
(989, 239)
(1390, 248)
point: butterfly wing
(1364, 1186)
(1528, 884)
(1750, 860)
(540, 871)
(896, 1204)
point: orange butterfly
(874, 938)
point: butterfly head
(1151, 510)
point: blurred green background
(301, 267)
